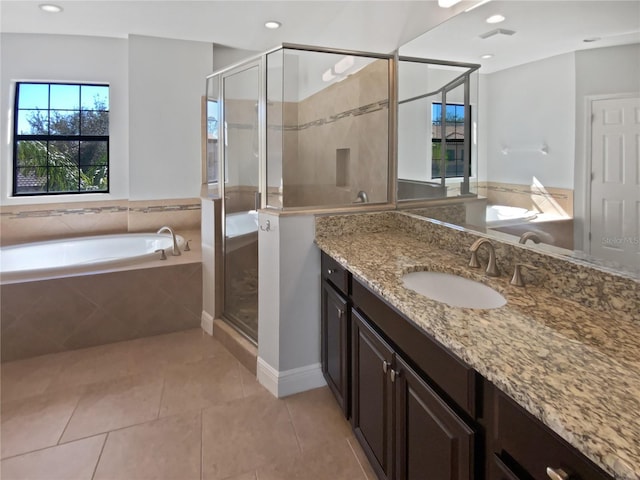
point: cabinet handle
(385, 366)
(340, 313)
(557, 474)
(331, 271)
(394, 374)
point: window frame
(53, 138)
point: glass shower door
(241, 185)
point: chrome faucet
(533, 236)
(492, 269)
(362, 197)
(175, 250)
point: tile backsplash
(30, 223)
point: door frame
(590, 100)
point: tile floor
(176, 406)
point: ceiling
(542, 29)
(374, 26)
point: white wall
(289, 305)
(57, 58)
(166, 84)
(602, 71)
(528, 106)
(155, 90)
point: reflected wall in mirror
(558, 122)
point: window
(61, 139)
(212, 141)
(454, 134)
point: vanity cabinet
(404, 425)
(336, 330)
(418, 411)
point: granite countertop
(574, 368)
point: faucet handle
(517, 274)
(187, 248)
(163, 256)
(473, 262)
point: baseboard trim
(288, 382)
(206, 322)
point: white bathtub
(72, 256)
(241, 229)
(504, 215)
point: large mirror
(558, 123)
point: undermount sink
(453, 290)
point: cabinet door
(432, 441)
(372, 397)
(335, 345)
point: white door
(615, 180)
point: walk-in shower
(294, 128)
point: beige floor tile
(246, 434)
(157, 352)
(26, 378)
(116, 404)
(250, 384)
(193, 386)
(362, 458)
(71, 461)
(93, 365)
(168, 448)
(37, 422)
(317, 418)
(331, 461)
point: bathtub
(73, 256)
(504, 215)
(241, 229)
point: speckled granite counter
(573, 366)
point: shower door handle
(256, 200)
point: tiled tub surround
(31, 223)
(565, 347)
(50, 316)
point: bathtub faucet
(175, 250)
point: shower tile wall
(353, 115)
(51, 316)
(29, 223)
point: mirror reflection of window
(212, 141)
(454, 126)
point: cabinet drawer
(335, 273)
(530, 448)
(455, 379)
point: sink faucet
(362, 197)
(517, 274)
(533, 236)
(492, 269)
(175, 250)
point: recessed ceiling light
(447, 3)
(487, 55)
(272, 24)
(50, 8)
(495, 19)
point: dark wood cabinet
(372, 397)
(406, 429)
(335, 335)
(335, 349)
(431, 440)
(522, 448)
